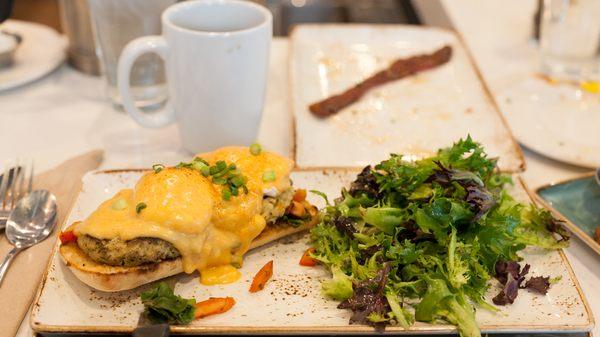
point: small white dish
(291, 302)
(41, 51)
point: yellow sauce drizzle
(219, 275)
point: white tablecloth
(65, 114)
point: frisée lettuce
(420, 240)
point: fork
(16, 182)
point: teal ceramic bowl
(577, 201)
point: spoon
(30, 222)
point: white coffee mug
(216, 55)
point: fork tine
(9, 173)
(16, 173)
(30, 184)
(10, 194)
(22, 179)
(4, 184)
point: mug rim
(171, 10)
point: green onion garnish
(158, 167)
(198, 165)
(226, 194)
(221, 173)
(119, 205)
(219, 181)
(268, 176)
(255, 149)
(139, 207)
(237, 181)
(205, 171)
(218, 167)
(195, 164)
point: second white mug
(216, 55)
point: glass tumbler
(115, 23)
(570, 39)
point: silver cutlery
(15, 182)
(597, 176)
(30, 222)
(145, 328)
(154, 330)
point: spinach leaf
(163, 306)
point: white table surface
(65, 114)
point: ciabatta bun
(112, 278)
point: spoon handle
(7, 260)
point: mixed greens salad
(421, 240)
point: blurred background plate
(558, 120)
(41, 51)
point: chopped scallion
(218, 167)
(119, 205)
(255, 149)
(221, 173)
(219, 181)
(226, 194)
(158, 167)
(237, 181)
(139, 207)
(268, 176)
(198, 165)
(205, 170)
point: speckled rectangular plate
(577, 202)
(413, 116)
(291, 301)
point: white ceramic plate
(291, 301)
(560, 121)
(40, 52)
(414, 116)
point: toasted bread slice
(114, 278)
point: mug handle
(133, 50)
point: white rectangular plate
(414, 116)
(291, 301)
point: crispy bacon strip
(399, 69)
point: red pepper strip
(307, 260)
(261, 278)
(213, 305)
(67, 237)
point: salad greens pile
(421, 240)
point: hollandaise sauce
(187, 209)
